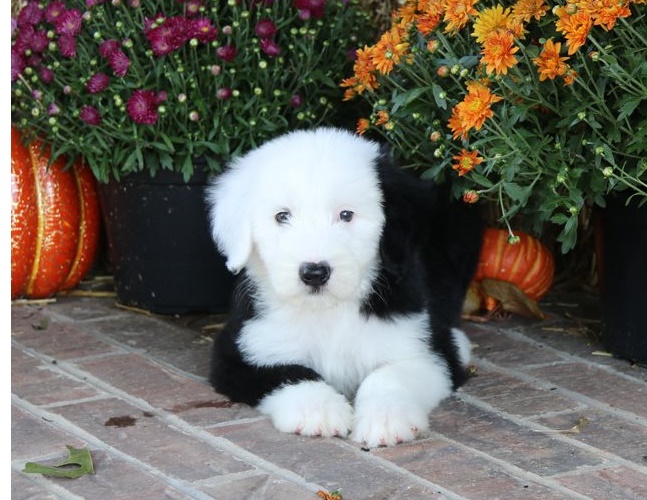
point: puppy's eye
(283, 217)
(346, 215)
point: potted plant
(143, 89)
(540, 108)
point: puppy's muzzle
(314, 274)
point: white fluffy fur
(383, 367)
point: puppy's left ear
(229, 214)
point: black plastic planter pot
(621, 234)
(159, 244)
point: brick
(463, 471)
(52, 338)
(33, 437)
(41, 384)
(609, 482)
(150, 439)
(506, 440)
(25, 488)
(598, 384)
(605, 432)
(166, 388)
(329, 462)
(496, 347)
(257, 487)
(515, 396)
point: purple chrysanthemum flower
(192, 7)
(119, 63)
(67, 46)
(296, 100)
(17, 64)
(69, 23)
(46, 75)
(265, 28)
(23, 38)
(30, 15)
(90, 115)
(97, 83)
(142, 107)
(226, 52)
(270, 47)
(53, 109)
(39, 42)
(109, 47)
(203, 30)
(54, 11)
(169, 36)
(223, 93)
(310, 8)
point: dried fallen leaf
(77, 464)
(576, 429)
(511, 297)
(333, 495)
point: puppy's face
(312, 206)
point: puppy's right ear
(228, 200)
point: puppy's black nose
(314, 273)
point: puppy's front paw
(308, 408)
(383, 424)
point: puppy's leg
(309, 408)
(393, 402)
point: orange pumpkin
(527, 264)
(55, 222)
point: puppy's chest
(342, 345)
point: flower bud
(607, 171)
(443, 71)
(470, 196)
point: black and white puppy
(352, 275)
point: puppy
(351, 279)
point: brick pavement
(131, 388)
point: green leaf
(78, 463)
(628, 106)
(406, 97)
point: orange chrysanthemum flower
(389, 51)
(363, 124)
(490, 20)
(466, 161)
(575, 27)
(525, 10)
(570, 77)
(498, 52)
(431, 13)
(604, 12)
(549, 63)
(457, 14)
(382, 117)
(406, 14)
(473, 110)
(364, 78)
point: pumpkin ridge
(83, 231)
(40, 224)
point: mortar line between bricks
(515, 334)
(216, 442)
(580, 398)
(65, 425)
(542, 429)
(512, 469)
